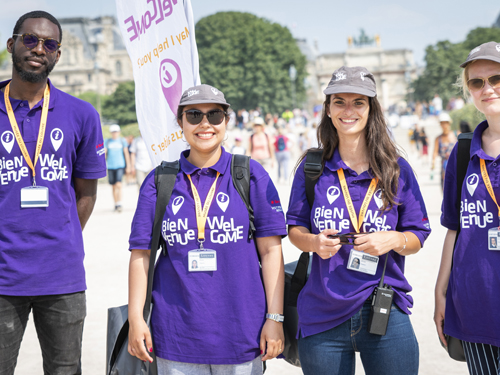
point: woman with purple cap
(367, 206)
(215, 311)
(467, 295)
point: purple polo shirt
(209, 317)
(334, 293)
(472, 297)
(41, 249)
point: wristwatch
(276, 317)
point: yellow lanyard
(202, 214)
(357, 223)
(487, 182)
(41, 131)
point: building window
(118, 68)
(89, 76)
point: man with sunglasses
(51, 155)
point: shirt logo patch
(56, 137)
(332, 194)
(177, 204)
(378, 198)
(8, 140)
(472, 182)
(223, 201)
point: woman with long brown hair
(364, 187)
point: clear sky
(400, 24)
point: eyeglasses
(476, 84)
(346, 238)
(31, 41)
(214, 117)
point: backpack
(281, 143)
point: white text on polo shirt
(174, 237)
(334, 219)
(12, 170)
(224, 231)
(52, 169)
(475, 214)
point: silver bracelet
(406, 241)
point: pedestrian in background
(260, 147)
(282, 153)
(468, 285)
(361, 163)
(139, 160)
(444, 144)
(118, 163)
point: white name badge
(34, 196)
(362, 262)
(494, 239)
(202, 260)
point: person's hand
(127, 169)
(326, 247)
(139, 334)
(272, 339)
(378, 243)
(439, 309)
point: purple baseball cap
(355, 80)
(486, 51)
(203, 94)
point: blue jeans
(333, 352)
(59, 326)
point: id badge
(202, 260)
(34, 196)
(362, 262)
(494, 238)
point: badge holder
(494, 238)
(34, 196)
(202, 260)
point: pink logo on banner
(171, 83)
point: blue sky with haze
(400, 24)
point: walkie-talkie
(381, 306)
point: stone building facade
(93, 57)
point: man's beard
(30, 76)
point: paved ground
(107, 258)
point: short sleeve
(299, 211)
(90, 162)
(142, 223)
(265, 201)
(412, 214)
(450, 215)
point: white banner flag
(160, 40)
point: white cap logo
(8, 140)
(362, 75)
(193, 92)
(214, 90)
(332, 194)
(378, 198)
(177, 204)
(472, 182)
(340, 76)
(498, 47)
(56, 137)
(477, 49)
(223, 201)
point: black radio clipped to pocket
(381, 306)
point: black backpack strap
(463, 158)
(312, 168)
(240, 173)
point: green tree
(249, 59)
(120, 106)
(443, 64)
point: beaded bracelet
(404, 246)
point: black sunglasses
(214, 117)
(346, 238)
(476, 84)
(31, 41)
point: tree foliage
(249, 58)
(443, 64)
(120, 106)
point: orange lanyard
(202, 214)
(17, 132)
(357, 223)
(487, 182)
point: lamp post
(293, 75)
